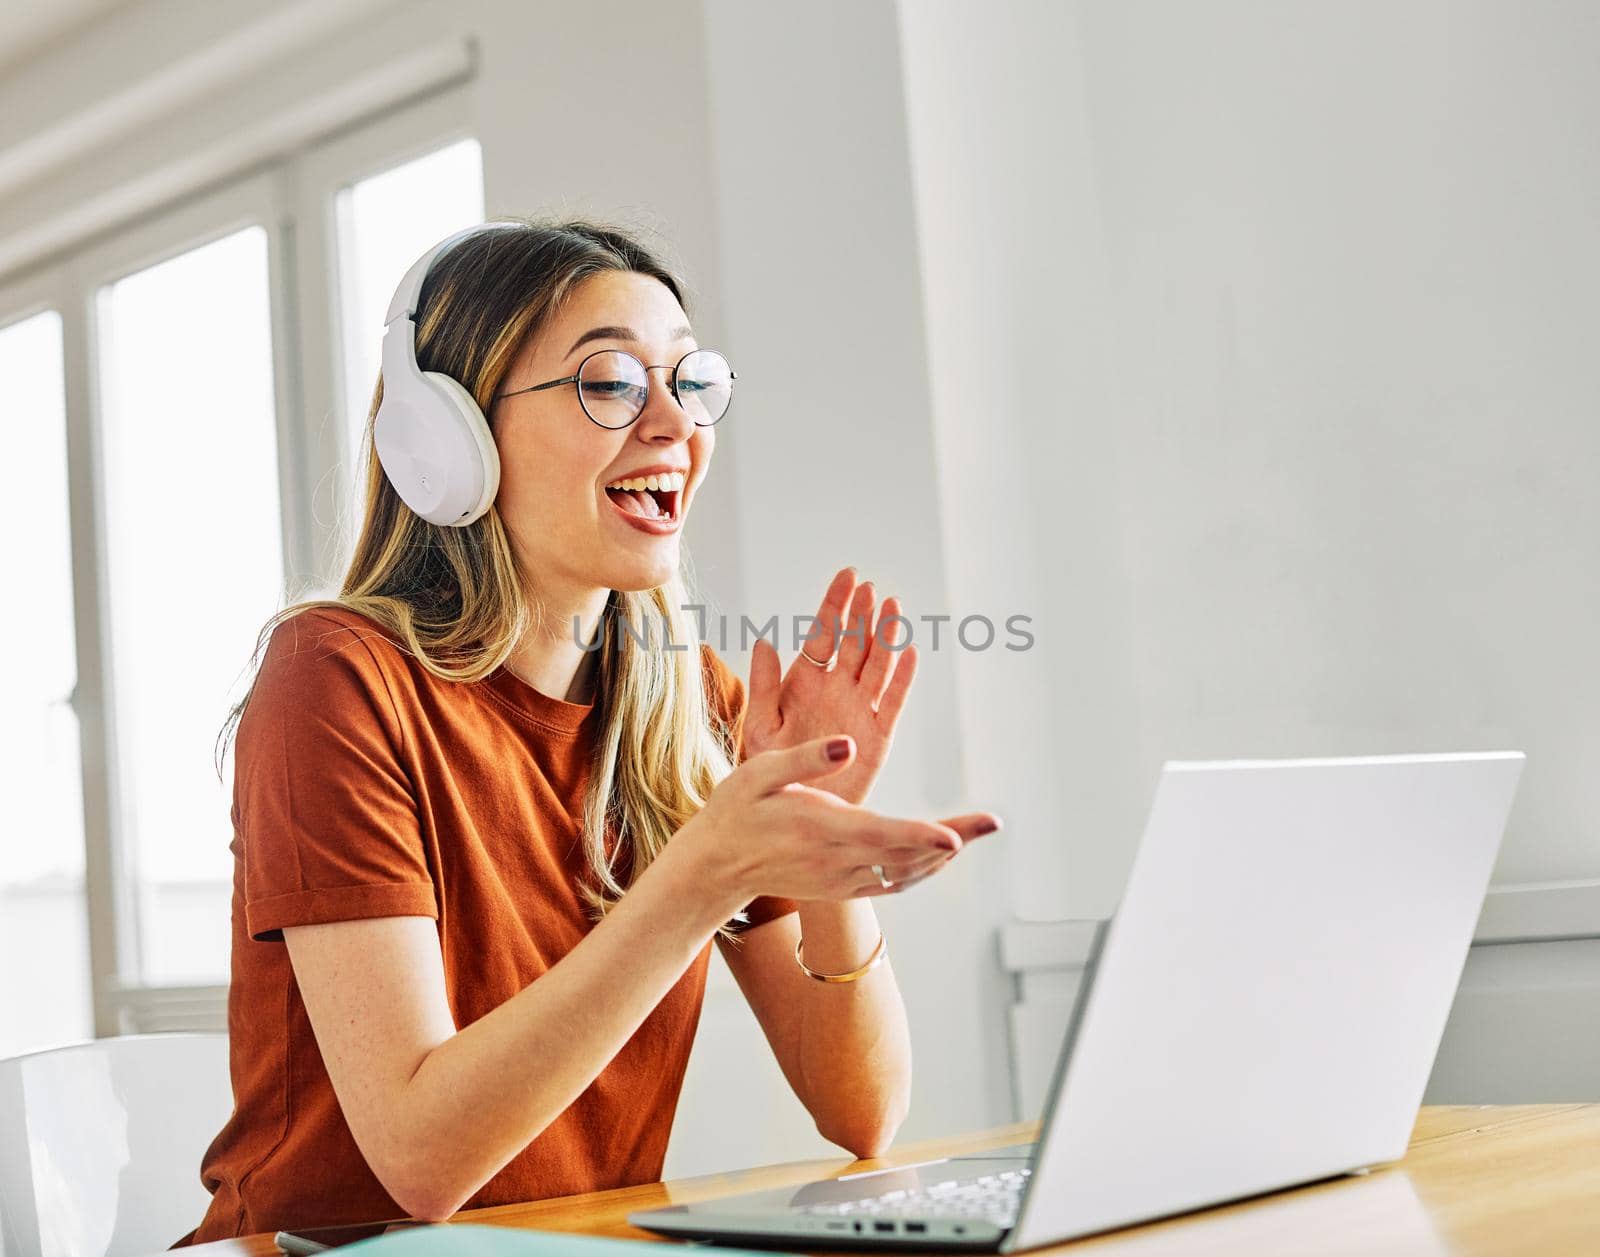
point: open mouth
(654, 497)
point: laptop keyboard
(993, 1197)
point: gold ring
(826, 664)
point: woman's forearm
(855, 1048)
(482, 1095)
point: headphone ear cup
(436, 449)
(476, 430)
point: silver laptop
(1262, 1011)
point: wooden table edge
(604, 1213)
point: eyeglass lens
(613, 387)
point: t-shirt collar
(552, 713)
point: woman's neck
(550, 657)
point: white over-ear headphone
(433, 441)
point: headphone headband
(408, 293)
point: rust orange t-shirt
(366, 787)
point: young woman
(481, 855)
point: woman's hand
(765, 831)
(862, 694)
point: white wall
(1013, 257)
(1352, 304)
(1313, 289)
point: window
(194, 553)
(199, 380)
(44, 929)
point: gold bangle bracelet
(878, 953)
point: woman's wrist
(710, 874)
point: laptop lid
(1271, 993)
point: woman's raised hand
(861, 694)
(767, 831)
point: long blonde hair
(456, 597)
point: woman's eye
(609, 388)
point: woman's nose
(662, 417)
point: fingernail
(985, 827)
(838, 749)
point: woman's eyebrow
(624, 333)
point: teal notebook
(495, 1241)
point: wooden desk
(1496, 1181)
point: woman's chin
(646, 573)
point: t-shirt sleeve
(325, 813)
(726, 693)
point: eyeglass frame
(574, 379)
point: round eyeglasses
(613, 386)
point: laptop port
(887, 1227)
(858, 1224)
(916, 1228)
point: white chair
(100, 1143)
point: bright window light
(188, 440)
(44, 931)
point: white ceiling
(28, 27)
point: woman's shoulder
(322, 630)
(724, 689)
(711, 661)
(714, 666)
(320, 652)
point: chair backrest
(100, 1143)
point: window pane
(44, 931)
(195, 567)
(385, 224)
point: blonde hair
(456, 598)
